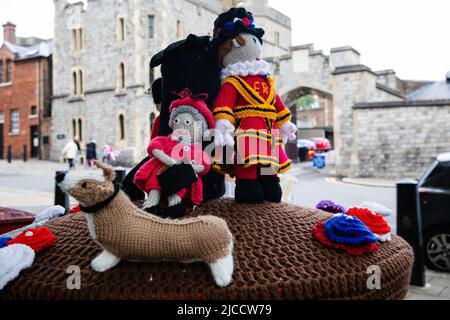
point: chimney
(9, 32)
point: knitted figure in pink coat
(190, 118)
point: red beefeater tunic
(252, 106)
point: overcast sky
(410, 36)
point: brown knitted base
(276, 257)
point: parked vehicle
(434, 195)
(306, 149)
(322, 144)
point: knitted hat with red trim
(36, 238)
(194, 104)
(373, 220)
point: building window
(277, 38)
(151, 26)
(80, 130)
(2, 117)
(77, 39)
(8, 71)
(178, 29)
(2, 71)
(152, 121)
(33, 111)
(121, 77)
(80, 81)
(14, 121)
(151, 76)
(121, 30)
(74, 128)
(121, 127)
(74, 83)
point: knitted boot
(175, 211)
(271, 188)
(248, 191)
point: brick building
(25, 92)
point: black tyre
(437, 248)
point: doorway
(34, 141)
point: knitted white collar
(246, 68)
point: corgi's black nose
(60, 177)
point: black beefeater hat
(236, 20)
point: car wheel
(437, 247)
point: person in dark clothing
(91, 152)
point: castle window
(151, 26)
(151, 76)
(80, 130)
(178, 29)
(2, 71)
(74, 128)
(77, 39)
(14, 121)
(121, 75)
(121, 127)
(8, 70)
(277, 38)
(152, 121)
(121, 31)
(80, 88)
(74, 83)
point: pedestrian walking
(70, 152)
(91, 152)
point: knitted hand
(288, 131)
(223, 136)
(164, 158)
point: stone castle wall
(396, 140)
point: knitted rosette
(374, 221)
(330, 206)
(350, 230)
(4, 241)
(36, 238)
(354, 250)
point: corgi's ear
(108, 172)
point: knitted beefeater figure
(190, 118)
(247, 103)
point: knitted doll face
(245, 47)
(186, 127)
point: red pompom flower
(36, 238)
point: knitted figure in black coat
(189, 63)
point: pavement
(30, 186)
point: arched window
(74, 128)
(121, 127)
(122, 75)
(80, 75)
(80, 130)
(152, 121)
(74, 83)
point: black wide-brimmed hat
(233, 22)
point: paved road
(314, 185)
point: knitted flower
(374, 221)
(36, 238)
(4, 241)
(330, 206)
(354, 250)
(346, 229)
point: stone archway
(314, 114)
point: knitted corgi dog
(126, 232)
